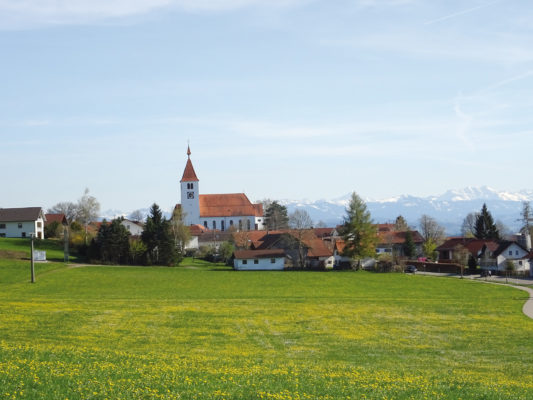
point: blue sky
(279, 98)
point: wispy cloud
(28, 13)
(460, 13)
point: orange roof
(189, 174)
(197, 230)
(317, 248)
(227, 205)
(340, 245)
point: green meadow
(203, 331)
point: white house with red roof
(216, 211)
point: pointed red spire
(189, 175)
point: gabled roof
(504, 245)
(59, 218)
(21, 214)
(317, 248)
(473, 245)
(243, 254)
(397, 237)
(228, 205)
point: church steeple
(190, 193)
(188, 174)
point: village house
(22, 222)
(254, 260)
(392, 241)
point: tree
(409, 248)
(460, 256)
(68, 208)
(428, 247)
(300, 223)
(52, 230)
(111, 244)
(276, 216)
(469, 223)
(358, 232)
(87, 210)
(400, 224)
(180, 232)
(226, 250)
(157, 237)
(136, 216)
(431, 230)
(485, 228)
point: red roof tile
(60, 218)
(189, 174)
(226, 205)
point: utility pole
(32, 262)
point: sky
(280, 99)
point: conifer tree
(358, 231)
(485, 228)
(276, 216)
(158, 238)
(409, 248)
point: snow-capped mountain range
(449, 208)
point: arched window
(230, 222)
(205, 224)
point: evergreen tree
(158, 239)
(276, 217)
(111, 244)
(400, 224)
(409, 248)
(358, 231)
(485, 228)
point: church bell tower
(190, 193)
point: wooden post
(32, 262)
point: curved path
(528, 305)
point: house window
(244, 262)
(256, 261)
(272, 261)
(240, 224)
(248, 225)
(222, 225)
(2, 226)
(230, 222)
(510, 252)
(516, 252)
(39, 224)
(23, 234)
(205, 224)
(214, 224)
(519, 262)
(20, 225)
(2, 235)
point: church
(217, 211)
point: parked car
(410, 268)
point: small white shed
(259, 260)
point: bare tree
(88, 209)
(66, 207)
(431, 230)
(469, 223)
(300, 222)
(136, 216)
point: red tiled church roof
(227, 205)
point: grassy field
(201, 331)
